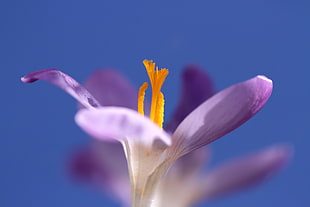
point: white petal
(118, 123)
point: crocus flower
(150, 151)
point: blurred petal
(176, 191)
(197, 87)
(190, 164)
(94, 165)
(112, 89)
(117, 123)
(245, 171)
(180, 186)
(64, 82)
(221, 114)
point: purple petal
(112, 89)
(245, 171)
(197, 87)
(221, 114)
(95, 166)
(64, 82)
(117, 123)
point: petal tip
(264, 78)
(262, 88)
(36, 75)
(282, 153)
(23, 79)
(66, 83)
(26, 79)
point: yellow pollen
(157, 78)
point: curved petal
(117, 123)
(64, 82)
(245, 171)
(197, 87)
(112, 89)
(93, 164)
(221, 114)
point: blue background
(232, 40)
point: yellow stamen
(157, 78)
(159, 119)
(141, 96)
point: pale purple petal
(221, 114)
(103, 165)
(245, 172)
(117, 123)
(112, 89)
(64, 82)
(191, 163)
(197, 87)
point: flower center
(157, 78)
